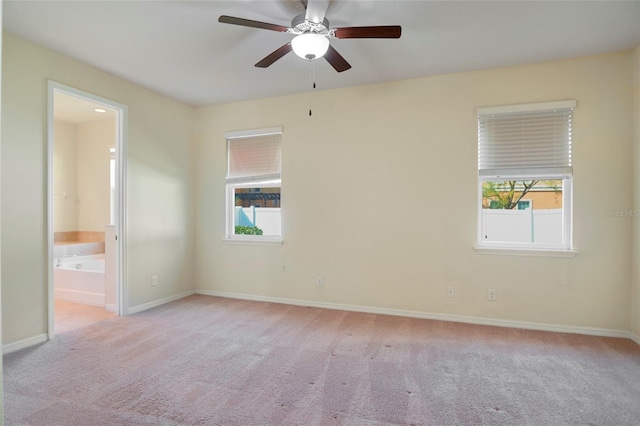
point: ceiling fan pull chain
(312, 80)
(313, 73)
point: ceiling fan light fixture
(310, 46)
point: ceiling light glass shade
(310, 46)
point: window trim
(230, 203)
(273, 181)
(508, 251)
(265, 241)
(565, 249)
(531, 107)
(256, 133)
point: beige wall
(635, 293)
(94, 193)
(159, 194)
(65, 172)
(391, 141)
(1, 285)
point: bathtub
(80, 279)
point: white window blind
(525, 140)
(253, 158)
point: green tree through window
(506, 194)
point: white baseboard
(21, 344)
(428, 315)
(76, 296)
(156, 303)
(110, 307)
(41, 338)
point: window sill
(500, 251)
(253, 242)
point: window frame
(250, 182)
(502, 247)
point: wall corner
(635, 253)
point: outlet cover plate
(492, 295)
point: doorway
(86, 181)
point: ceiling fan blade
(253, 24)
(274, 56)
(336, 60)
(388, 31)
(316, 10)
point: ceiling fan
(312, 33)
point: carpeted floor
(214, 361)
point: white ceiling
(179, 49)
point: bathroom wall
(81, 175)
(65, 179)
(94, 202)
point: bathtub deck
(70, 316)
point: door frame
(121, 179)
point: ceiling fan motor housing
(300, 25)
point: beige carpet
(213, 361)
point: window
(525, 176)
(253, 179)
(524, 205)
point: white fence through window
(265, 218)
(522, 226)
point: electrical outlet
(319, 281)
(154, 280)
(451, 292)
(492, 295)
